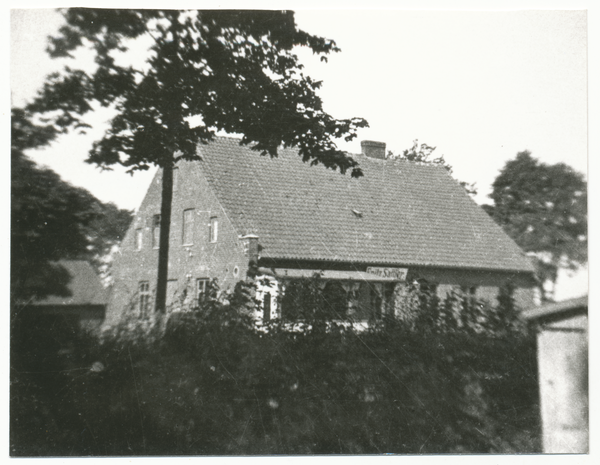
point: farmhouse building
(402, 221)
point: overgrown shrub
(208, 382)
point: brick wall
(223, 259)
(487, 283)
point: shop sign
(385, 272)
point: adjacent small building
(562, 339)
(84, 308)
(401, 222)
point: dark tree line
(544, 209)
(51, 219)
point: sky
(480, 86)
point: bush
(207, 382)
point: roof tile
(410, 214)
(85, 286)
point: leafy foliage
(25, 134)
(51, 219)
(232, 71)
(423, 153)
(49, 222)
(312, 302)
(544, 209)
(206, 382)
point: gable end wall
(187, 263)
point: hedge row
(207, 382)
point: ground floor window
(201, 290)
(469, 294)
(144, 298)
(427, 287)
(267, 306)
(388, 307)
(336, 300)
(370, 300)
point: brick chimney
(373, 149)
(250, 244)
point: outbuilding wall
(563, 377)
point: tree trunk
(160, 303)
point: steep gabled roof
(399, 213)
(85, 287)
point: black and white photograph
(325, 230)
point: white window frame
(188, 227)
(139, 239)
(175, 178)
(213, 229)
(156, 231)
(144, 298)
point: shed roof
(556, 309)
(85, 287)
(399, 212)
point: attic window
(175, 179)
(138, 239)
(357, 213)
(213, 230)
(188, 226)
(155, 231)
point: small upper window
(213, 229)
(138, 239)
(188, 227)
(155, 231)
(175, 179)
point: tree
(43, 228)
(232, 71)
(544, 209)
(51, 219)
(422, 153)
(105, 233)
